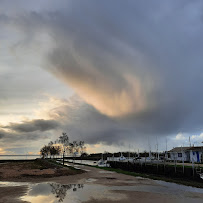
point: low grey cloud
(23, 142)
(12, 138)
(33, 125)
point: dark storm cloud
(28, 135)
(137, 64)
(8, 137)
(1, 134)
(34, 125)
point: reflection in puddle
(71, 193)
(60, 191)
(52, 192)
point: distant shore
(19, 155)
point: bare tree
(45, 151)
(76, 149)
(82, 148)
(55, 150)
(62, 145)
(64, 141)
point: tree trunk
(63, 158)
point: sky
(120, 75)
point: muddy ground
(108, 180)
(32, 170)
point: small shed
(179, 154)
(190, 154)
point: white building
(190, 154)
(196, 154)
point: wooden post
(165, 162)
(182, 160)
(175, 161)
(145, 158)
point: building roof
(179, 149)
(198, 148)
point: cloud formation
(137, 65)
(134, 60)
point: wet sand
(103, 186)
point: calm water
(87, 162)
(18, 157)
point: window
(179, 154)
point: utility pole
(157, 154)
(165, 158)
(129, 153)
(175, 159)
(139, 156)
(149, 149)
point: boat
(102, 163)
(122, 158)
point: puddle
(86, 170)
(67, 164)
(106, 172)
(75, 193)
(71, 193)
(77, 168)
(12, 184)
(90, 180)
(162, 188)
(74, 166)
(178, 187)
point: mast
(149, 149)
